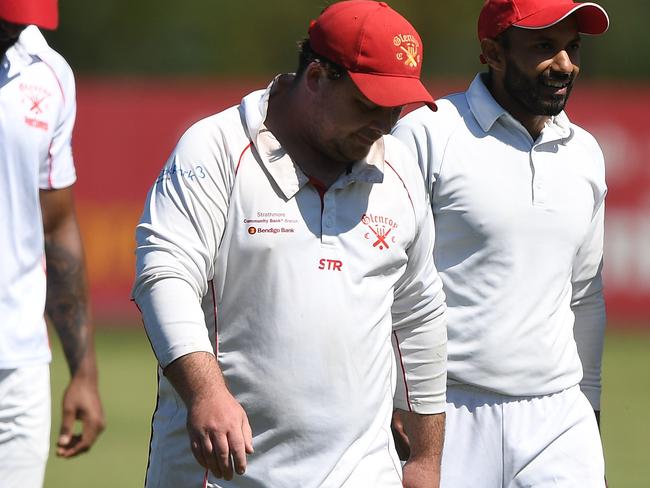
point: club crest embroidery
(35, 100)
(380, 230)
(408, 49)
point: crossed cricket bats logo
(381, 234)
(408, 45)
(381, 237)
(36, 104)
(411, 53)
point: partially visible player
(285, 245)
(518, 193)
(42, 257)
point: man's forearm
(67, 299)
(422, 438)
(426, 434)
(195, 376)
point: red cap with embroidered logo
(498, 15)
(379, 48)
(43, 13)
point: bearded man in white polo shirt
(38, 231)
(285, 245)
(517, 193)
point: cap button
(383, 4)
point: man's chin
(553, 108)
(355, 152)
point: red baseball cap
(497, 15)
(379, 48)
(43, 13)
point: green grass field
(128, 377)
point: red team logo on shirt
(34, 98)
(380, 230)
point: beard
(534, 94)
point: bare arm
(419, 440)
(68, 310)
(217, 424)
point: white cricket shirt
(519, 244)
(302, 294)
(37, 112)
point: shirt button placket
(329, 218)
(539, 179)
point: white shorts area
(24, 425)
(497, 441)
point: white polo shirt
(302, 294)
(37, 112)
(519, 244)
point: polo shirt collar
(279, 165)
(485, 108)
(24, 52)
(487, 111)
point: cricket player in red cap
(518, 193)
(286, 280)
(42, 257)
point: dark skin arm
(67, 308)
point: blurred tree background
(254, 38)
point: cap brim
(392, 91)
(592, 18)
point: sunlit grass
(128, 386)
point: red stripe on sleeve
(403, 184)
(56, 78)
(216, 330)
(49, 165)
(242, 155)
(401, 365)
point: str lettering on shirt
(330, 264)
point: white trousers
(497, 441)
(24, 425)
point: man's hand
(220, 435)
(80, 402)
(420, 437)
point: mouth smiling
(559, 87)
(557, 84)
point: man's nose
(562, 62)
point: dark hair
(307, 56)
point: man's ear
(493, 53)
